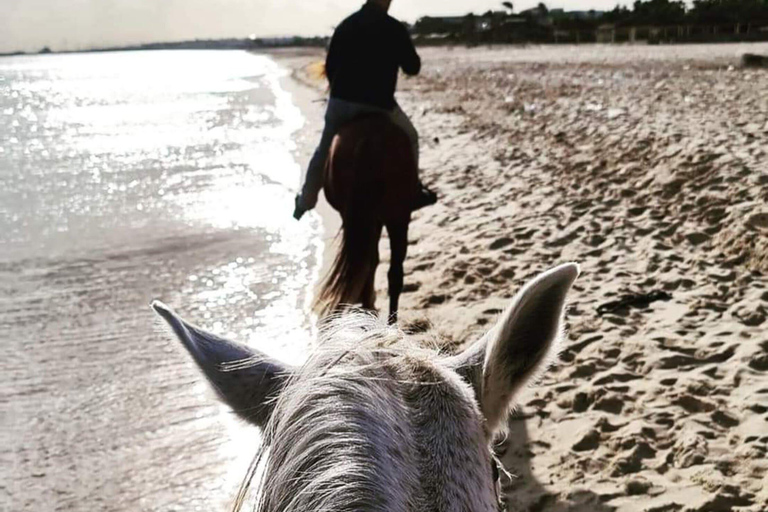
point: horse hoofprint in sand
(373, 423)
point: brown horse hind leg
(368, 297)
(398, 243)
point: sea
(127, 177)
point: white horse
(373, 423)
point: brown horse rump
(371, 160)
(372, 180)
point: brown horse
(371, 179)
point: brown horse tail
(358, 253)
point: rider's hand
(298, 210)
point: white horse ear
(245, 379)
(519, 346)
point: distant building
(445, 25)
(577, 15)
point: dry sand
(648, 166)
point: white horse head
(373, 423)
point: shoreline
(305, 96)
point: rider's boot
(305, 201)
(426, 197)
(298, 209)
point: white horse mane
(342, 423)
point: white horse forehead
(457, 392)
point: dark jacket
(366, 52)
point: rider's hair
(383, 3)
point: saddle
(371, 159)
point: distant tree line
(675, 12)
(704, 20)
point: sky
(29, 25)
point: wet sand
(100, 409)
(649, 166)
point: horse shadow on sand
(522, 492)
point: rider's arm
(409, 59)
(332, 59)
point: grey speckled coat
(373, 423)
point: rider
(366, 52)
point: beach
(647, 165)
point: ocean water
(126, 177)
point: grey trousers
(338, 113)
